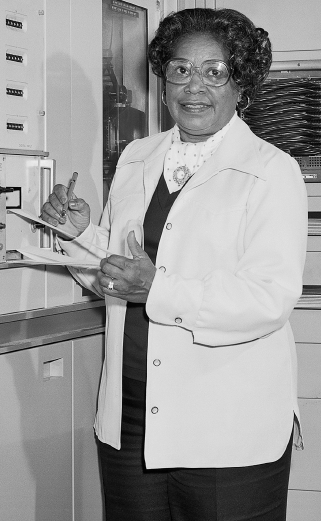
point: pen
(69, 193)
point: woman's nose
(195, 84)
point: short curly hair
(249, 48)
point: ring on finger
(111, 285)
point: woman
(202, 309)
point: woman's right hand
(77, 216)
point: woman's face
(200, 110)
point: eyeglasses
(214, 73)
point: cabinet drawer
(314, 192)
(306, 325)
(303, 505)
(309, 364)
(314, 244)
(312, 269)
(24, 289)
(306, 464)
(314, 203)
(36, 434)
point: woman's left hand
(128, 279)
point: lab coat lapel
(153, 166)
(141, 170)
(238, 151)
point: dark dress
(134, 493)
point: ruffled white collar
(183, 159)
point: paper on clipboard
(34, 218)
(39, 256)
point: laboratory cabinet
(293, 25)
(305, 477)
(47, 131)
(88, 353)
(304, 505)
(49, 465)
(35, 434)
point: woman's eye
(183, 71)
(213, 72)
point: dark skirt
(133, 493)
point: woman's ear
(243, 101)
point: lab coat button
(168, 226)
(157, 362)
(154, 410)
(162, 268)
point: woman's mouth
(195, 107)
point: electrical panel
(26, 175)
(22, 65)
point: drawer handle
(53, 369)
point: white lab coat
(230, 263)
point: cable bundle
(287, 113)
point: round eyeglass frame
(198, 70)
